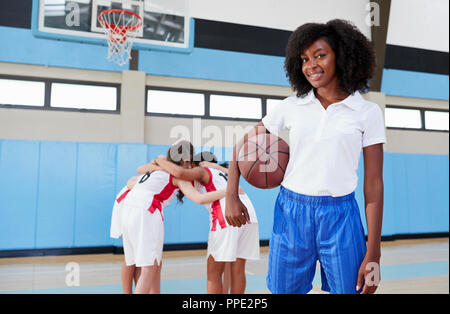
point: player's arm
(194, 195)
(236, 213)
(194, 174)
(151, 166)
(214, 165)
(373, 197)
(132, 182)
(220, 168)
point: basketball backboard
(166, 23)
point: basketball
(263, 160)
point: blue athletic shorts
(308, 229)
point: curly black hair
(355, 57)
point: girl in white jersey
(142, 222)
(233, 244)
(128, 273)
(225, 243)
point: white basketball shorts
(143, 236)
(230, 243)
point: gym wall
(60, 170)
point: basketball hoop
(121, 27)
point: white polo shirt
(325, 145)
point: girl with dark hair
(225, 243)
(316, 216)
(141, 224)
(129, 274)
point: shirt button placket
(322, 124)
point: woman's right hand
(236, 213)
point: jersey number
(145, 177)
(224, 175)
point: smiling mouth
(315, 76)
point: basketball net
(121, 28)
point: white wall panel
(419, 24)
(281, 14)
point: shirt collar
(310, 97)
(353, 101)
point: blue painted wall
(60, 195)
(216, 65)
(20, 46)
(415, 84)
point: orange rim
(121, 28)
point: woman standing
(316, 215)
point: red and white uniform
(225, 242)
(142, 219)
(116, 219)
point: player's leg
(156, 283)
(342, 247)
(149, 247)
(247, 249)
(238, 280)
(292, 249)
(220, 253)
(214, 276)
(149, 279)
(127, 276)
(129, 269)
(137, 273)
(227, 278)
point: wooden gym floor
(407, 266)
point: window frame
(422, 118)
(434, 110)
(272, 98)
(170, 89)
(25, 79)
(207, 94)
(263, 105)
(47, 100)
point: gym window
(22, 93)
(90, 97)
(420, 119)
(403, 118)
(216, 105)
(175, 102)
(55, 94)
(236, 107)
(436, 120)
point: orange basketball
(263, 160)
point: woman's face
(319, 64)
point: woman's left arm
(373, 197)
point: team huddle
(138, 218)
